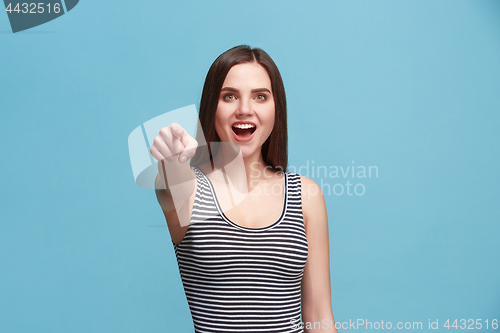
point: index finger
(177, 130)
(183, 136)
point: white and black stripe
(240, 279)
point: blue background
(411, 87)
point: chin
(246, 152)
(247, 148)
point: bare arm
(175, 184)
(316, 290)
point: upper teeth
(244, 126)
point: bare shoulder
(311, 192)
(313, 202)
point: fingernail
(183, 159)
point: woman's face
(245, 112)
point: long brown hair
(275, 149)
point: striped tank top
(239, 279)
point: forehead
(251, 75)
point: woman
(259, 265)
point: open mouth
(243, 131)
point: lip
(240, 138)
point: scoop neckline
(280, 218)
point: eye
(229, 97)
(261, 97)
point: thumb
(189, 151)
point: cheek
(220, 121)
(270, 118)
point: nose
(244, 108)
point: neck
(255, 167)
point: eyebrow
(253, 91)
